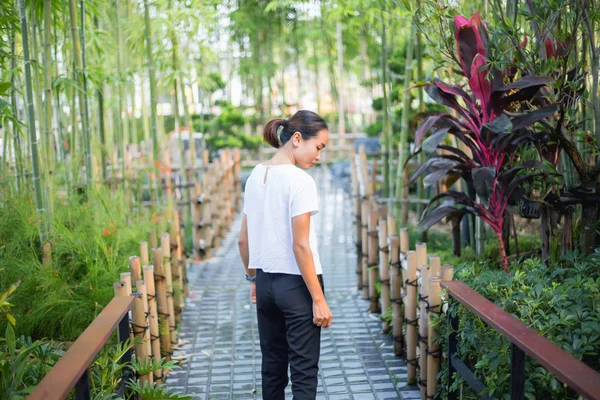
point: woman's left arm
(245, 255)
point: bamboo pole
(434, 266)
(391, 225)
(365, 249)
(433, 355)
(177, 266)
(446, 272)
(153, 318)
(411, 317)
(140, 329)
(126, 279)
(152, 239)
(359, 243)
(120, 289)
(135, 268)
(165, 245)
(160, 283)
(372, 258)
(395, 280)
(384, 266)
(423, 330)
(144, 255)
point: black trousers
(287, 336)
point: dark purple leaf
(455, 90)
(466, 43)
(433, 161)
(426, 126)
(525, 82)
(532, 117)
(435, 176)
(479, 83)
(464, 157)
(446, 99)
(502, 124)
(437, 214)
(483, 180)
(430, 144)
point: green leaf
(11, 319)
(3, 105)
(10, 340)
(4, 86)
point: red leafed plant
(494, 116)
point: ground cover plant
(91, 243)
(561, 303)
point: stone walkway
(357, 361)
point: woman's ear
(297, 138)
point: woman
(278, 246)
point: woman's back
(274, 195)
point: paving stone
(357, 360)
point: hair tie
(279, 131)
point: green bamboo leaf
(11, 319)
(11, 342)
(4, 86)
(3, 105)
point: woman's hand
(253, 291)
(321, 314)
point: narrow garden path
(357, 361)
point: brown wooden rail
(575, 374)
(61, 379)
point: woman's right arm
(306, 264)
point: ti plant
(492, 119)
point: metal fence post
(517, 373)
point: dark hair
(306, 122)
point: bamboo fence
(409, 280)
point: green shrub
(374, 129)
(561, 303)
(91, 244)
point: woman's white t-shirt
(274, 195)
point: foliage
(374, 129)
(560, 303)
(5, 305)
(155, 391)
(23, 363)
(493, 123)
(91, 243)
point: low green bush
(91, 243)
(562, 303)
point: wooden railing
(71, 371)
(524, 340)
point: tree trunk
(456, 237)
(13, 100)
(340, 60)
(150, 59)
(403, 145)
(386, 145)
(33, 141)
(506, 233)
(567, 235)
(545, 233)
(49, 147)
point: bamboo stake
(165, 245)
(384, 268)
(433, 355)
(411, 317)
(140, 329)
(144, 255)
(153, 318)
(135, 268)
(395, 278)
(152, 238)
(365, 249)
(373, 255)
(160, 283)
(359, 243)
(434, 266)
(423, 331)
(142, 289)
(391, 224)
(120, 289)
(446, 272)
(126, 279)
